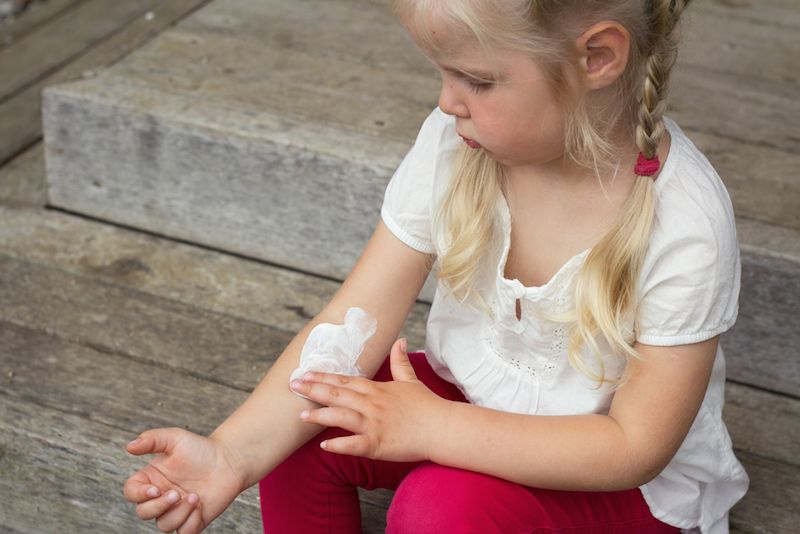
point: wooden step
(267, 128)
(155, 318)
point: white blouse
(689, 289)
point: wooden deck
(106, 331)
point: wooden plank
(114, 320)
(70, 480)
(64, 473)
(763, 423)
(229, 285)
(20, 115)
(717, 38)
(51, 374)
(156, 330)
(767, 14)
(771, 504)
(760, 179)
(36, 15)
(61, 39)
(762, 347)
(75, 379)
(755, 113)
(75, 382)
(115, 389)
(22, 180)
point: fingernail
(304, 414)
(192, 498)
(308, 376)
(152, 491)
(296, 384)
(172, 496)
(404, 344)
(135, 442)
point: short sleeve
(690, 277)
(414, 188)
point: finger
(355, 445)
(327, 394)
(139, 488)
(194, 523)
(399, 364)
(358, 384)
(345, 418)
(155, 441)
(158, 506)
(177, 515)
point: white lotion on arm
(332, 348)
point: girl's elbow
(646, 466)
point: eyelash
(477, 87)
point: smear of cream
(332, 348)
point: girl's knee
(436, 498)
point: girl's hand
(392, 421)
(185, 487)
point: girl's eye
(478, 86)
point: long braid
(606, 291)
(664, 17)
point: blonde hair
(606, 288)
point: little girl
(587, 262)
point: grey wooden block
(762, 347)
(278, 202)
(265, 128)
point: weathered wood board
(64, 473)
(221, 283)
(37, 14)
(20, 115)
(759, 348)
(55, 42)
(22, 180)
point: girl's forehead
(448, 43)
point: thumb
(159, 440)
(399, 363)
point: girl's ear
(603, 53)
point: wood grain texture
(69, 362)
(36, 14)
(22, 180)
(64, 473)
(153, 330)
(212, 346)
(57, 41)
(99, 400)
(762, 347)
(772, 502)
(202, 278)
(20, 115)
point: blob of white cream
(335, 348)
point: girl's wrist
(233, 457)
(438, 429)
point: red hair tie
(645, 166)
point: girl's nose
(450, 103)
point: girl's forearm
(574, 452)
(267, 428)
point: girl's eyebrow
(477, 74)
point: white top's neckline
(519, 288)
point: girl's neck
(564, 182)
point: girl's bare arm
(267, 427)
(650, 416)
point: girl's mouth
(470, 143)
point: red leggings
(314, 492)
